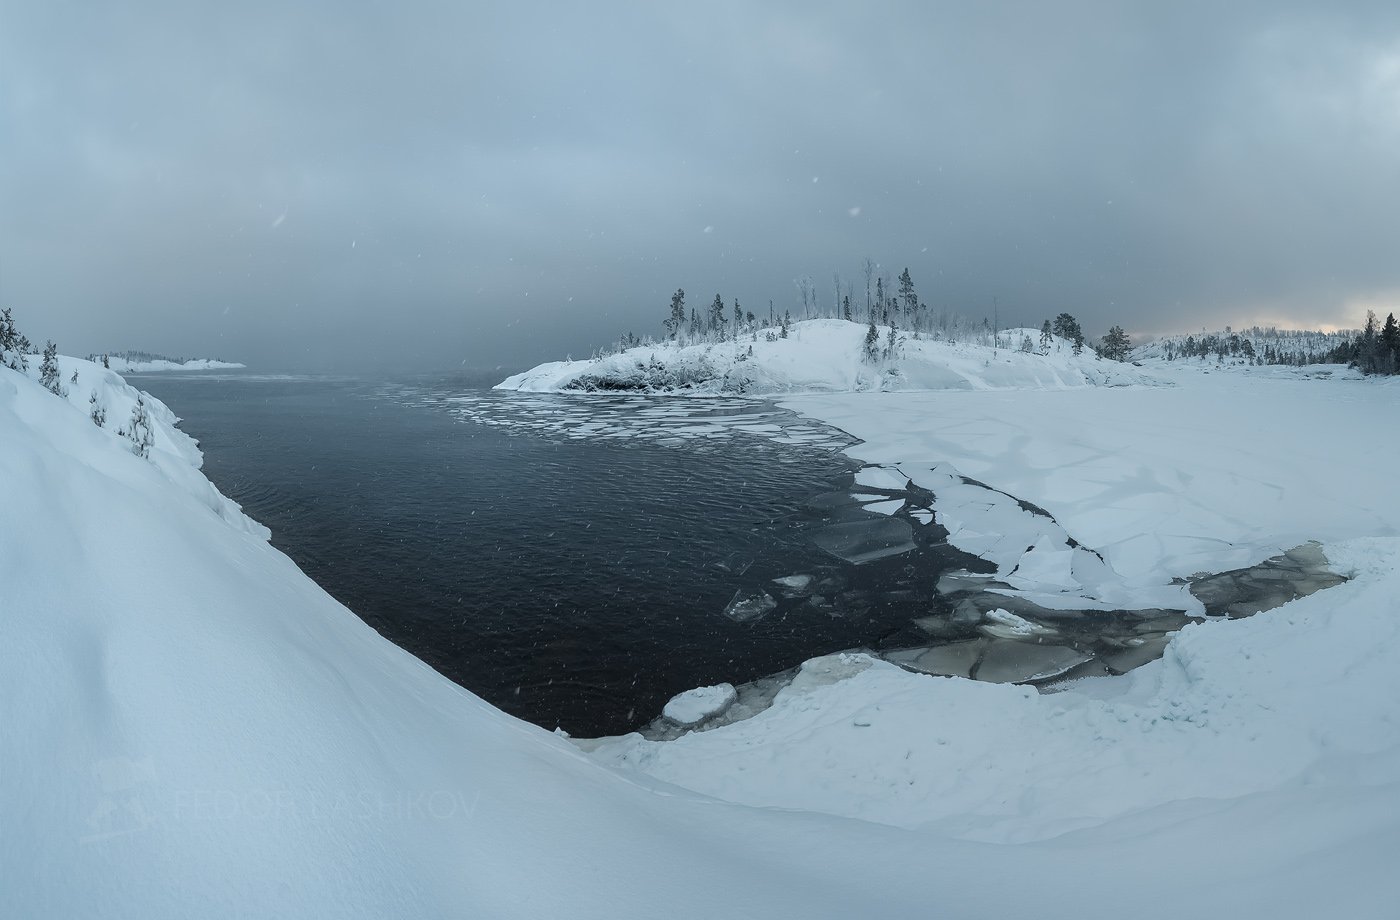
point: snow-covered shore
(190, 726)
(825, 355)
(1286, 711)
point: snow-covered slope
(825, 355)
(191, 727)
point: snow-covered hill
(827, 355)
(190, 727)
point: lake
(574, 560)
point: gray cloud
(320, 183)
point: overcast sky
(310, 184)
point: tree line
(1375, 349)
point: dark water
(577, 582)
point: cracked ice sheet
(1215, 473)
(1032, 552)
(1215, 721)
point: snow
(824, 355)
(1263, 741)
(125, 366)
(190, 726)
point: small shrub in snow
(97, 411)
(139, 432)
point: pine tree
(676, 321)
(1067, 327)
(716, 319)
(738, 317)
(1045, 337)
(105, 363)
(48, 370)
(871, 351)
(892, 343)
(1116, 344)
(14, 348)
(787, 321)
(846, 308)
(97, 411)
(1390, 346)
(907, 295)
(880, 300)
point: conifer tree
(676, 321)
(48, 370)
(907, 295)
(1045, 337)
(846, 308)
(1116, 344)
(97, 411)
(871, 351)
(716, 321)
(14, 348)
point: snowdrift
(826, 355)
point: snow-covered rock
(825, 355)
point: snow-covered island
(190, 726)
(831, 355)
(140, 362)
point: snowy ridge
(825, 355)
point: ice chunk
(795, 584)
(1007, 662)
(1136, 653)
(858, 542)
(953, 660)
(695, 706)
(828, 669)
(749, 605)
(879, 477)
(1006, 625)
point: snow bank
(825, 355)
